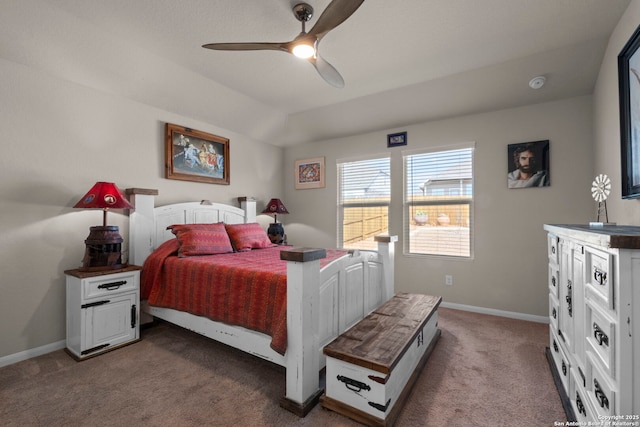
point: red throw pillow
(201, 239)
(245, 237)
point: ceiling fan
(305, 45)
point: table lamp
(275, 231)
(104, 243)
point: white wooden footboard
(321, 304)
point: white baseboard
(34, 352)
(494, 312)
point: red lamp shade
(104, 195)
(104, 243)
(274, 207)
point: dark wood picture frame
(192, 155)
(629, 97)
(396, 139)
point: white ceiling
(403, 61)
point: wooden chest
(372, 366)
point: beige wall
(509, 270)
(606, 120)
(71, 116)
(58, 139)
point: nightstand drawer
(109, 285)
(110, 324)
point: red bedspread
(242, 288)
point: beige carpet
(484, 371)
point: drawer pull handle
(554, 313)
(599, 335)
(564, 369)
(568, 298)
(353, 385)
(600, 276)
(553, 281)
(134, 319)
(553, 250)
(555, 346)
(580, 405)
(112, 286)
(94, 304)
(602, 398)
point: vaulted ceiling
(403, 61)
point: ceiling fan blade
(327, 72)
(335, 14)
(247, 46)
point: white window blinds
(438, 202)
(364, 192)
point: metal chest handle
(353, 385)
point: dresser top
(610, 236)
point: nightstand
(103, 308)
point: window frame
(363, 203)
(462, 199)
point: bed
(325, 295)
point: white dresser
(594, 300)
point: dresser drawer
(599, 277)
(554, 311)
(560, 359)
(601, 337)
(554, 280)
(552, 248)
(578, 396)
(94, 287)
(600, 393)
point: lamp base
(103, 250)
(276, 233)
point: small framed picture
(396, 139)
(528, 164)
(309, 173)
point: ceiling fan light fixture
(303, 50)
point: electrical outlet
(448, 280)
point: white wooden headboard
(148, 224)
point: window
(438, 202)
(364, 190)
